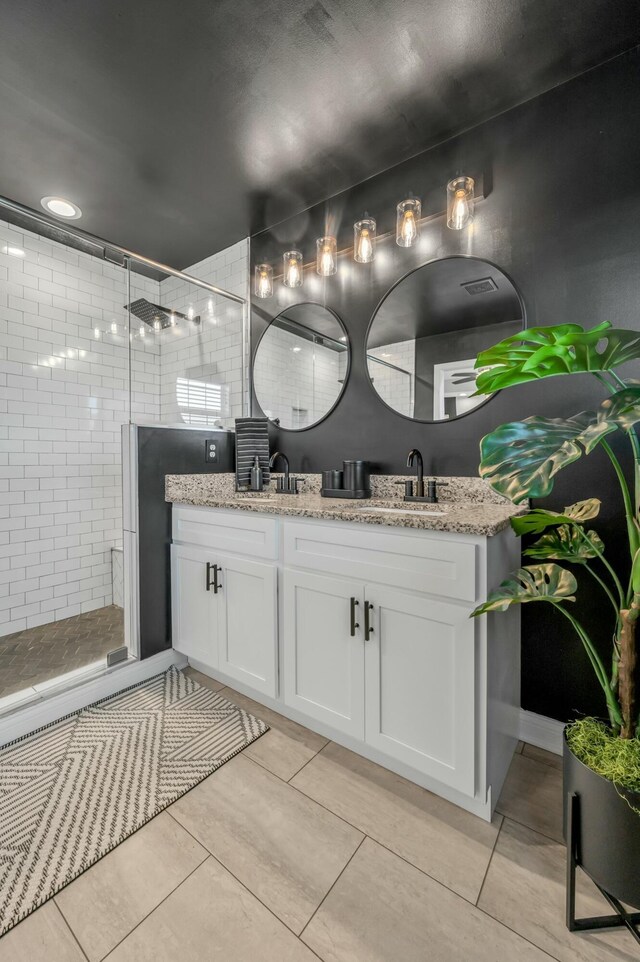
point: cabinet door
(323, 661)
(248, 622)
(420, 684)
(194, 608)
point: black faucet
(414, 455)
(285, 485)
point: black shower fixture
(152, 314)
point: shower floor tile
(37, 655)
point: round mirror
(429, 328)
(301, 366)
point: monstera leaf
(532, 583)
(547, 351)
(566, 544)
(539, 519)
(521, 459)
(621, 410)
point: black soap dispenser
(256, 475)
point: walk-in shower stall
(92, 337)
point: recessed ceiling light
(13, 250)
(60, 207)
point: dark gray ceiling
(179, 127)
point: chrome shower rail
(106, 246)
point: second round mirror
(428, 330)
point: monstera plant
(521, 460)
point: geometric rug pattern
(72, 791)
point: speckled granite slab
(470, 506)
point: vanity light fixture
(460, 202)
(263, 286)
(408, 213)
(61, 207)
(326, 256)
(292, 269)
(364, 240)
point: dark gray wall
(163, 451)
(561, 217)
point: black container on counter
(337, 480)
(351, 482)
(356, 475)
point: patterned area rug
(71, 792)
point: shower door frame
(123, 257)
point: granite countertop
(465, 510)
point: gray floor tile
(284, 749)
(42, 937)
(205, 680)
(541, 755)
(211, 918)
(286, 849)
(105, 903)
(532, 795)
(525, 889)
(436, 836)
(383, 910)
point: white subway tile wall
(64, 393)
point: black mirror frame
(435, 260)
(347, 372)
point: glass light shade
(292, 269)
(263, 286)
(326, 256)
(460, 202)
(364, 240)
(408, 213)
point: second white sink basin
(374, 509)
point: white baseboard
(51, 706)
(541, 731)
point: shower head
(149, 313)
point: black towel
(252, 439)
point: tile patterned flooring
(39, 654)
(298, 850)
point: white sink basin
(429, 512)
(252, 499)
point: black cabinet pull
(368, 630)
(215, 584)
(354, 623)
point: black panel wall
(164, 451)
(561, 216)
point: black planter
(608, 830)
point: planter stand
(630, 920)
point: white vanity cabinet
(361, 632)
(224, 607)
(323, 655)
